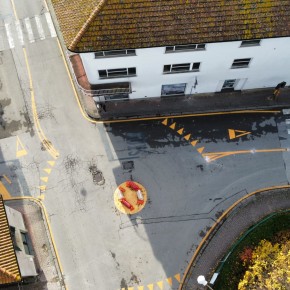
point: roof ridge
(86, 24)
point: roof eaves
(86, 25)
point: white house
(137, 49)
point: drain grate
(128, 165)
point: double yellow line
(45, 142)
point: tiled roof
(92, 25)
(9, 270)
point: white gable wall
(269, 65)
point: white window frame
(110, 53)
(185, 47)
(110, 72)
(173, 68)
(241, 63)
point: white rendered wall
(270, 65)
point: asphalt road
(191, 168)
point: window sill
(240, 67)
(113, 56)
(180, 72)
(117, 77)
(186, 50)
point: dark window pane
(102, 73)
(195, 65)
(251, 42)
(132, 70)
(181, 67)
(201, 46)
(169, 48)
(115, 52)
(117, 72)
(166, 68)
(99, 54)
(185, 47)
(131, 51)
(175, 89)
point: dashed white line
(19, 32)
(50, 24)
(9, 35)
(39, 27)
(29, 30)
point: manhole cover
(128, 165)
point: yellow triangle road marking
(164, 122)
(47, 170)
(233, 133)
(141, 288)
(193, 143)
(51, 163)
(20, 150)
(45, 179)
(130, 288)
(150, 286)
(42, 187)
(180, 131)
(160, 284)
(169, 281)
(200, 150)
(187, 137)
(177, 277)
(172, 126)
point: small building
(137, 49)
(16, 257)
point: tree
(270, 267)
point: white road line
(29, 30)
(50, 24)
(19, 32)
(39, 27)
(9, 35)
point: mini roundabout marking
(130, 197)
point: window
(24, 238)
(117, 73)
(241, 62)
(187, 47)
(254, 42)
(175, 89)
(229, 84)
(181, 67)
(108, 53)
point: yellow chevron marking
(150, 286)
(169, 281)
(41, 197)
(130, 288)
(177, 277)
(180, 131)
(160, 284)
(45, 179)
(51, 163)
(5, 193)
(165, 122)
(193, 143)
(200, 149)
(172, 126)
(47, 170)
(140, 287)
(42, 187)
(20, 150)
(187, 137)
(232, 133)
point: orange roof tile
(9, 270)
(92, 25)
